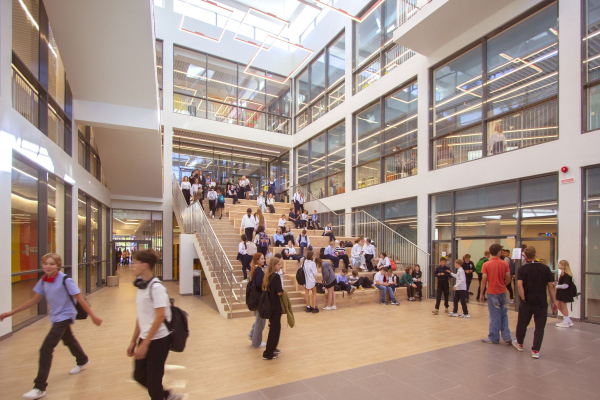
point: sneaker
(34, 394)
(516, 345)
(452, 314)
(269, 359)
(446, 311)
(262, 345)
(361, 288)
(571, 323)
(245, 281)
(352, 290)
(464, 316)
(309, 309)
(78, 368)
(383, 303)
(508, 342)
(535, 354)
(562, 324)
(175, 396)
(395, 303)
(435, 312)
(487, 340)
(511, 301)
(315, 310)
(334, 307)
(276, 351)
(326, 308)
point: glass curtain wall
(400, 215)
(209, 87)
(591, 63)
(511, 106)
(375, 53)
(320, 87)
(40, 91)
(590, 282)
(321, 162)
(92, 262)
(279, 170)
(38, 221)
(386, 139)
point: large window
(591, 268)
(209, 87)
(92, 255)
(321, 162)
(88, 156)
(400, 215)
(40, 91)
(386, 138)
(500, 95)
(279, 170)
(159, 71)
(591, 65)
(375, 53)
(320, 86)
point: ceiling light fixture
(211, 7)
(262, 15)
(347, 14)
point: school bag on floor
(178, 327)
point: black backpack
(322, 253)
(178, 327)
(300, 277)
(573, 290)
(265, 311)
(252, 296)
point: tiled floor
(569, 368)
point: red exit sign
(569, 180)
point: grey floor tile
(305, 396)
(285, 390)
(423, 380)
(255, 395)
(335, 386)
(361, 372)
(383, 387)
(458, 393)
(516, 393)
(574, 380)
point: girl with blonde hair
(563, 293)
(272, 284)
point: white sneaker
(263, 344)
(352, 290)
(562, 324)
(34, 394)
(334, 307)
(326, 308)
(78, 368)
(535, 354)
(464, 316)
(174, 396)
(571, 323)
(452, 314)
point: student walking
(469, 268)
(443, 274)
(220, 202)
(186, 189)
(297, 197)
(478, 267)
(212, 201)
(533, 279)
(564, 293)
(369, 250)
(460, 291)
(272, 284)
(310, 275)
(248, 224)
(59, 291)
(257, 275)
(496, 275)
(243, 255)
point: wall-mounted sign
(568, 180)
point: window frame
(585, 84)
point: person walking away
(150, 342)
(381, 283)
(478, 267)
(220, 202)
(329, 281)
(417, 276)
(118, 256)
(248, 225)
(443, 274)
(263, 241)
(460, 291)
(468, 267)
(212, 201)
(496, 276)
(369, 250)
(532, 282)
(201, 183)
(564, 292)
(59, 291)
(406, 280)
(304, 242)
(186, 189)
(257, 274)
(194, 189)
(243, 256)
(272, 284)
(358, 255)
(310, 275)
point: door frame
(114, 249)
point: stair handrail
(195, 221)
(364, 224)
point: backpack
(265, 311)
(573, 290)
(393, 265)
(250, 248)
(178, 327)
(322, 253)
(221, 199)
(252, 296)
(479, 265)
(263, 240)
(300, 277)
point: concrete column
(187, 253)
(167, 206)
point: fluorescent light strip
(226, 144)
(202, 34)
(347, 14)
(250, 9)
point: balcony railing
(408, 9)
(395, 56)
(24, 97)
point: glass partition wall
(400, 215)
(279, 170)
(500, 95)
(93, 253)
(591, 65)
(590, 282)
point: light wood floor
(218, 360)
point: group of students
(149, 344)
(301, 219)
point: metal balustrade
(24, 97)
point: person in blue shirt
(314, 220)
(278, 238)
(59, 291)
(294, 218)
(330, 254)
(443, 274)
(271, 187)
(342, 282)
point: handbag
(250, 248)
(81, 313)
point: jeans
(498, 310)
(442, 287)
(368, 258)
(257, 330)
(540, 315)
(249, 232)
(386, 289)
(302, 246)
(149, 371)
(480, 277)
(461, 295)
(263, 208)
(274, 333)
(59, 331)
(358, 261)
(334, 260)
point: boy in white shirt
(282, 221)
(151, 334)
(304, 220)
(381, 282)
(212, 201)
(369, 251)
(289, 253)
(460, 291)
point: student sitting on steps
(289, 253)
(342, 282)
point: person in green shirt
(482, 260)
(407, 281)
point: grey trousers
(257, 330)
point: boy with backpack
(262, 241)
(150, 343)
(478, 267)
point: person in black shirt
(468, 267)
(417, 275)
(532, 281)
(443, 274)
(272, 284)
